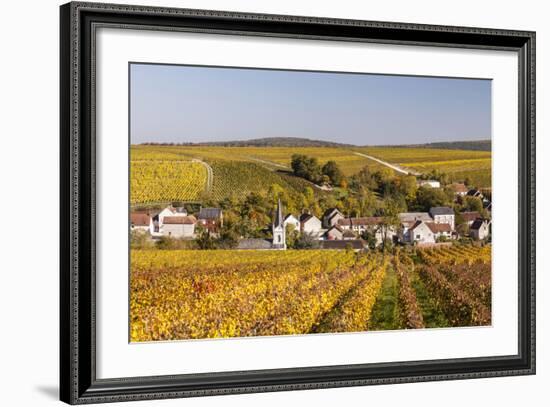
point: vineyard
(214, 294)
(158, 181)
(459, 164)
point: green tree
(331, 170)
(306, 167)
(205, 241)
(427, 197)
(306, 241)
(390, 220)
(472, 203)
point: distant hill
(481, 145)
(266, 142)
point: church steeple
(278, 228)
(278, 215)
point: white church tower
(278, 227)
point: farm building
(310, 224)
(211, 218)
(440, 230)
(371, 224)
(420, 232)
(443, 214)
(290, 219)
(429, 183)
(141, 222)
(334, 233)
(480, 229)
(331, 217)
(179, 226)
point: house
(179, 226)
(429, 183)
(480, 229)
(355, 245)
(331, 217)
(158, 218)
(371, 224)
(420, 232)
(459, 189)
(279, 229)
(141, 222)
(470, 217)
(292, 220)
(210, 218)
(440, 230)
(443, 214)
(310, 224)
(335, 233)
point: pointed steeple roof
(278, 221)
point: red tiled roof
(367, 221)
(470, 216)
(180, 220)
(439, 227)
(140, 219)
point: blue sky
(181, 104)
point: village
(333, 230)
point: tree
(390, 220)
(228, 239)
(370, 238)
(473, 204)
(306, 241)
(408, 187)
(140, 240)
(427, 197)
(291, 236)
(205, 241)
(334, 173)
(306, 167)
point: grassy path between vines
(432, 314)
(386, 313)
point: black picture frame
(78, 382)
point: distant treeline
(482, 145)
(263, 142)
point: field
(162, 174)
(179, 173)
(459, 164)
(217, 294)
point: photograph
(267, 202)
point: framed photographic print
(255, 203)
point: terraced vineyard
(238, 179)
(211, 294)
